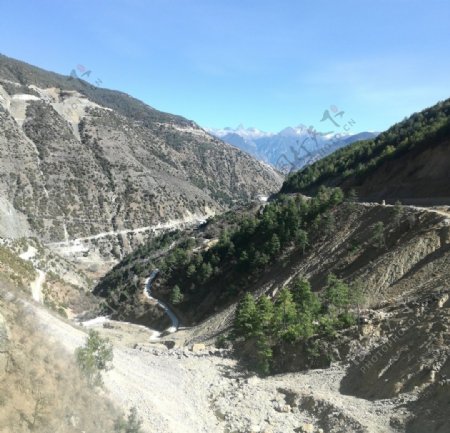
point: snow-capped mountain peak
(291, 148)
(241, 130)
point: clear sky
(266, 64)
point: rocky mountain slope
(290, 149)
(388, 374)
(345, 245)
(326, 281)
(78, 160)
(376, 362)
(385, 373)
(408, 162)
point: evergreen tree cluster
(358, 159)
(295, 314)
(257, 241)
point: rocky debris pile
(198, 350)
(255, 405)
(180, 390)
(402, 348)
(241, 402)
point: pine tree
(94, 357)
(302, 239)
(206, 272)
(336, 196)
(274, 245)
(285, 313)
(305, 300)
(191, 270)
(337, 295)
(198, 260)
(305, 328)
(264, 352)
(328, 223)
(352, 199)
(176, 296)
(260, 260)
(246, 321)
(265, 312)
(357, 295)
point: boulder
(307, 428)
(198, 347)
(442, 301)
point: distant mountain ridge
(289, 149)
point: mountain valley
(234, 299)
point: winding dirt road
(167, 310)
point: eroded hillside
(390, 354)
(79, 161)
(340, 239)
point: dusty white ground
(180, 391)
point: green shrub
(94, 357)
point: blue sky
(267, 64)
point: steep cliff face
(78, 160)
